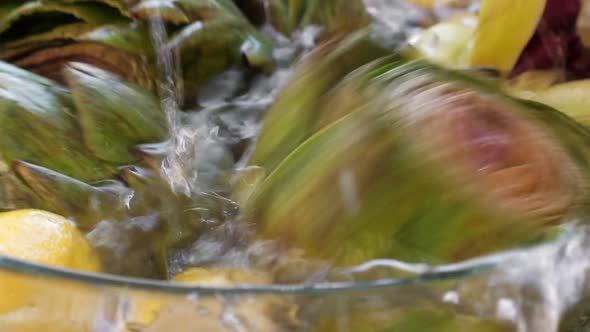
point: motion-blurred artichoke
(410, 161)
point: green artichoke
(410, 161)
(65, 147)
(207, 35)
(334, 16)
(291, 119)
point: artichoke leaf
(10, 54)
(114, 114)
(39, 125)
(167, 10)
(61, 194)
(36, 96)
(126, 37)
(217, 33)
(26, 137)
(292, 117)
(52, 15)
(187, 11)
(34, 84)
(50, 61)
(120, 36)
(282, 15)
(65, 32)
(120, 5)
(333, 16)
(230, 36)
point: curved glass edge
(16, 265)
(422, 274)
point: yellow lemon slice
(428, 4)
(39, 237)
(571, 98)
(583, 23)
(259, 313)
(447, 43)
(505, 28)
(221, 277)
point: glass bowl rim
(429, 274)
(419, 273)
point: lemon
(252, 312)
(39, 237)
(571, 98)
(505, 28)
(221, 277)
(429, 4)
(246, 312)
(447, 43)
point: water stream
(530, 289)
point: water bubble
(451, 297)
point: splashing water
(531, 289)
(535, 289)
(197, 144)
(170, 89)
(554, 276)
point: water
(530, 289)
(170, 89)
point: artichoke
(92, 151)
(410, 161)
(313, 77)
(208, 36)
(84, 132)
(332, 15)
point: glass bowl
(490, 294)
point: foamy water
(530, 288)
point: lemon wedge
(505, 28)
(39, 237)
